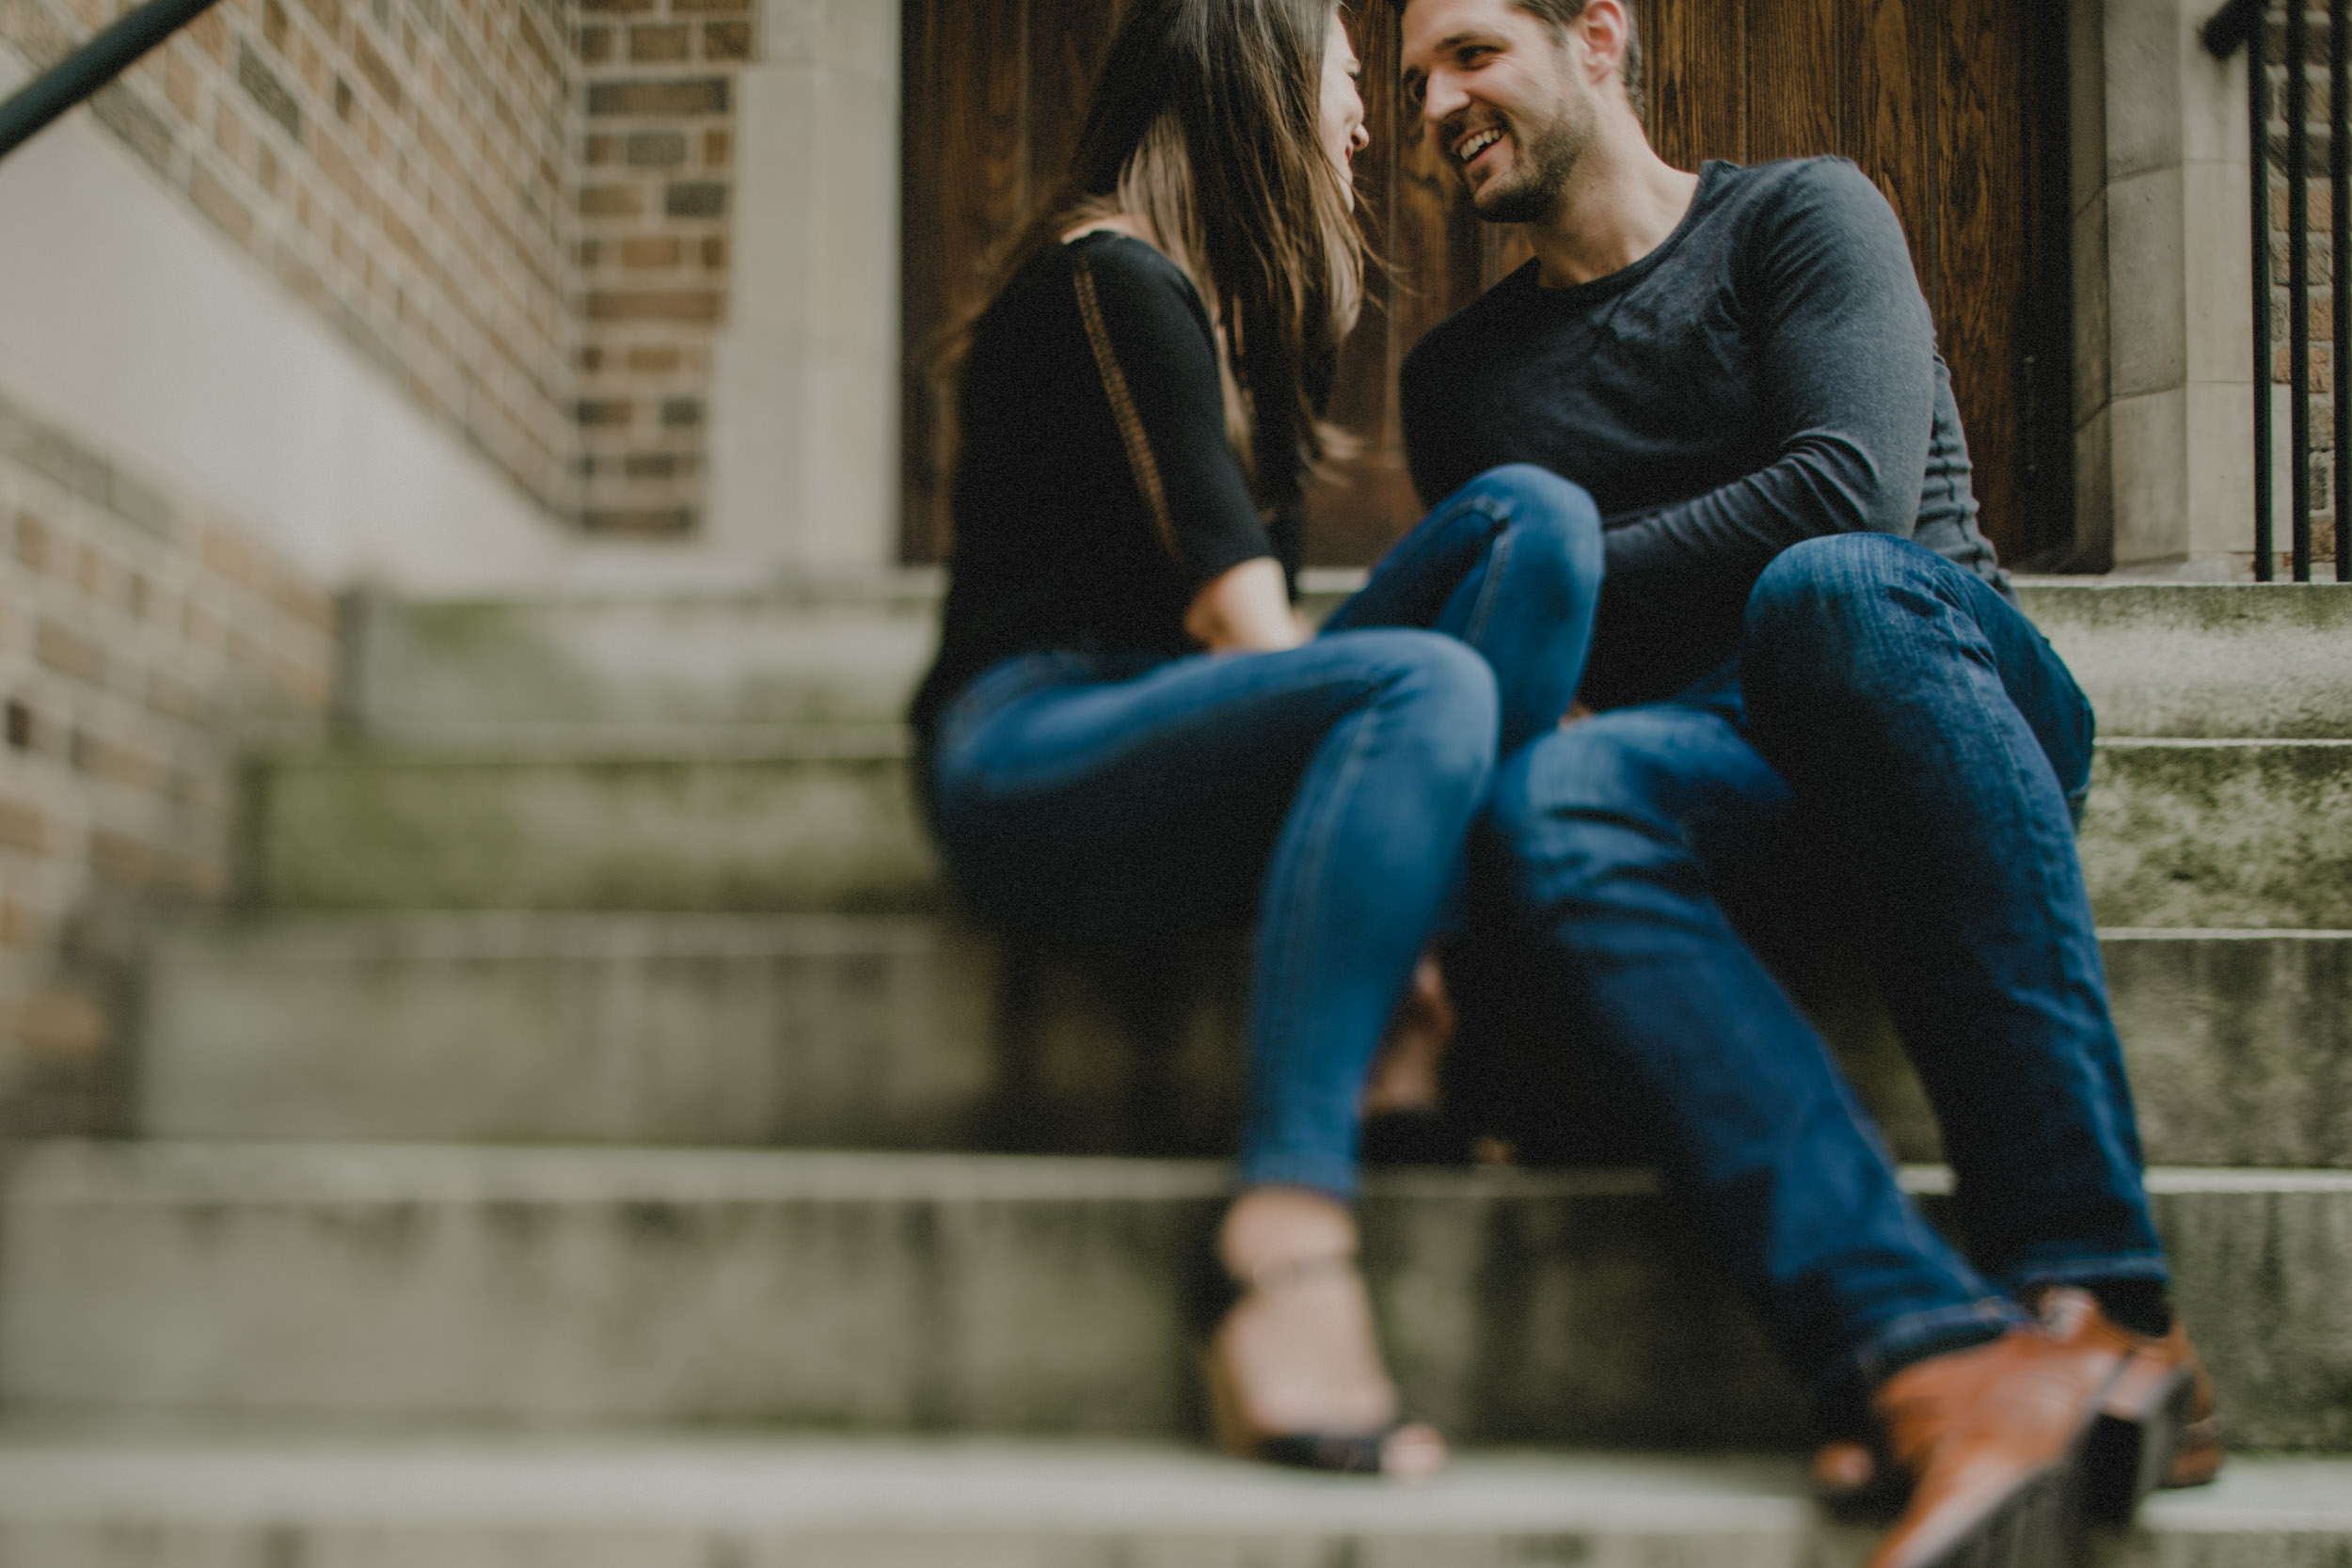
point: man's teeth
(1472, 145)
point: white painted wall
(128, 322)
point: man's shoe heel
(2133, 1442)
(2040, 1526)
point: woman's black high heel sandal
(1216, 1292)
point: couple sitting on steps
(1700, 603)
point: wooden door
(1955, 108)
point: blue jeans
(1895, 740)
(1325, 790)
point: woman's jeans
(1896, 742)
(1325, 790)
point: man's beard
(1540, 174)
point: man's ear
(1604, 30)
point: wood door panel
(1796, 50)
(1699, 85)
(1954, 107)
(1980, 245)
(1889, 130)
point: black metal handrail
(105, 57)
(2245, 24)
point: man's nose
(1441, 99)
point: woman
(1129, 731)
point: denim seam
(1277, 999)
(2077, 1271)
(1491, 587)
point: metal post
(2339, 260)
(2257, 114)
(91, 66)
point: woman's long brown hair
(1203, 128)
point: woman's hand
(1247, 609)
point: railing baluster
(2339, 259)
(91, 66)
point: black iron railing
(2287, 161)
(97, 62)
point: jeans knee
(1823, 614)
(1445, 693)
(1541, 503)
(1832, 584)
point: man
(1807, 660)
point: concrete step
(827, 1031)
(2221, 833)
(813, 818)
(657, 1501)
(2180, 833)
(849, 650)
(959, 1294)
(907, 1032)
(2203, 659)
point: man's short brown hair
(1560, 14)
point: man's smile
(1468, 148)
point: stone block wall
(141, 641)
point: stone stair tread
(2179, 832)
(164, 1171)
(962, 1293)
(894, 1031)
(678, 1500)
(2157, 658)
(525, 742)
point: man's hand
(1247, 609)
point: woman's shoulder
(1130, 282)
(1130, 276)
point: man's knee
(1828, 614)
(1835, 583)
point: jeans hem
(1885, 1349)
(2088, 1269)
(1298, 1168)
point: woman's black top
(1095, 493)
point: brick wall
(2321, 324)
(517, 208)
(140, 639)
(658, 153)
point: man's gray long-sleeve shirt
(1765, 375)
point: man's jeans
(1895, 740)
(1325, 789)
